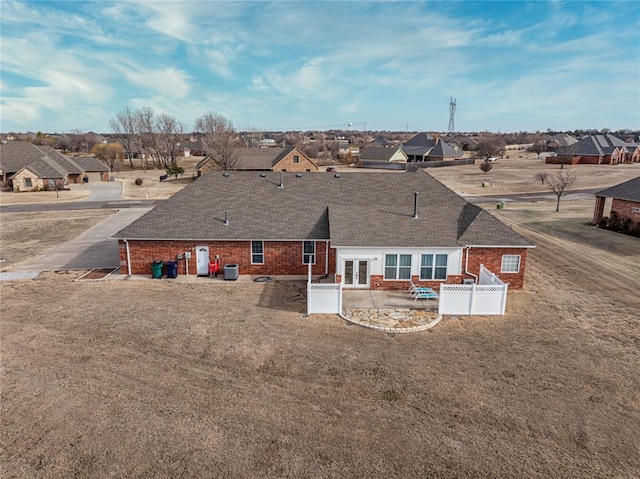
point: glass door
(356, 273)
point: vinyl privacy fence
(324, 298)
(488, 297)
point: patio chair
(424, 294)
(414, 288)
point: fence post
(472, 303)
(504, 298)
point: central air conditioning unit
(468, 281)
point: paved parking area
(92, 249)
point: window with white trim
(397, 266)
(27, 182)
(510, 263)
(257, 252)
(308, 252)
(433, 266)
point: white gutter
(126, 243)
(466, 265)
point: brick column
(598, 210)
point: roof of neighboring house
(596, 145)
(629, 190)
(347, 209)
(562, 139)
(416, 150)
(45, 167)
(421, 139)
(192, 145)
(445, 150)
(377, 153)
(255, 159)
(44, 161)
(89, 163)
(381, 142)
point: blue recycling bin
(172, 269)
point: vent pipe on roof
(281, 185)
(415, 205)
(226, 219)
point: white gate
(489, 297)
(324, 298)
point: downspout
(326, 258)
(466, 265)
(126, 244)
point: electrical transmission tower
(452, 114)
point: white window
(433, 266)
(397, 266)
(27, 182)
(257, 252)
(309, 252)
(510, 263)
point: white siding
(376, 258)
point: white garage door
(94, 176)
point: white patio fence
(323, 298)
(489, 296)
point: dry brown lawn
(159, 379)
(26, 235)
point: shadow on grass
(284, 296)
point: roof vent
(225, 174)
(415, 205)
(262, 175)
(226, 219)
(337, 175)
(298, 175)
(281, 185)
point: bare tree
(169, 132)
(487, 148)
(542, 176)
(486, 166)
(219, 139)
(123, 126)
(560, 183)
(145, 131)
(538, 147)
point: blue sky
(512, 66)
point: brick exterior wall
(491, 258)
(624, 209)
(280, 257)
(288, 163)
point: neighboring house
(26, 167)
(263, 159)
(382, 154)
(444, 151)
(599, 150)
(625, 203)
(558, 141)
(191, 148)
(466, 143)
(425, 147)
(370, 230)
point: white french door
(356, 273)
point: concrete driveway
(103, 191)
(92, 249)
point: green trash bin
(156, 269)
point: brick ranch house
(27, 167)
(597, 150)
(290, 158)
(367, 229)
(625, 202)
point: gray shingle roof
(445, 150)
(421, 139)
(357, 209)
(377, 153)
(596, 145)
(45, 167)
(629, 190)
(16, 154)
(90, 164)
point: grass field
(156, 379)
